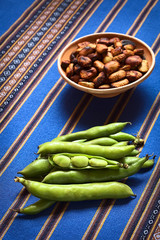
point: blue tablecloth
(37, 105)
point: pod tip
(134, 195)
(16, 179)
(15, 210)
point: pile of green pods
(85, 165)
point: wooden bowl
(111, 92)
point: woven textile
(37, 106)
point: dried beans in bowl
(105, 62)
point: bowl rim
(110, 90)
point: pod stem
(125, 165)
(138, 142)
(16, 179)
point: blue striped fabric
(37, 106)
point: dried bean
(108, 58)
(120, 83)
(129, 47)
(128, 52)
(139, 51)
(84, 61)
(69, 70)
(144, 66)
(116, 51)
(116, 76)
(133, 75)
(134, 61)
(120, 58)
(99, 80)
(111, 67)
(86, 50)
(93, 56)
(88, 73)
(104, 86)
(118, 44)
(103, 41)
(101, 48)
(86, 84)
(99, 65)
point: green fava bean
(94, 132)
(97, 162)
(79, 161)
(39, 167)
(135, 152)
(105, 141)
(110, 152)
(123, 143)
(77, 192)
(129, 160)
(36, 207)
(122, 136)
(149, 163)
(98, 175)
(61, 161)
